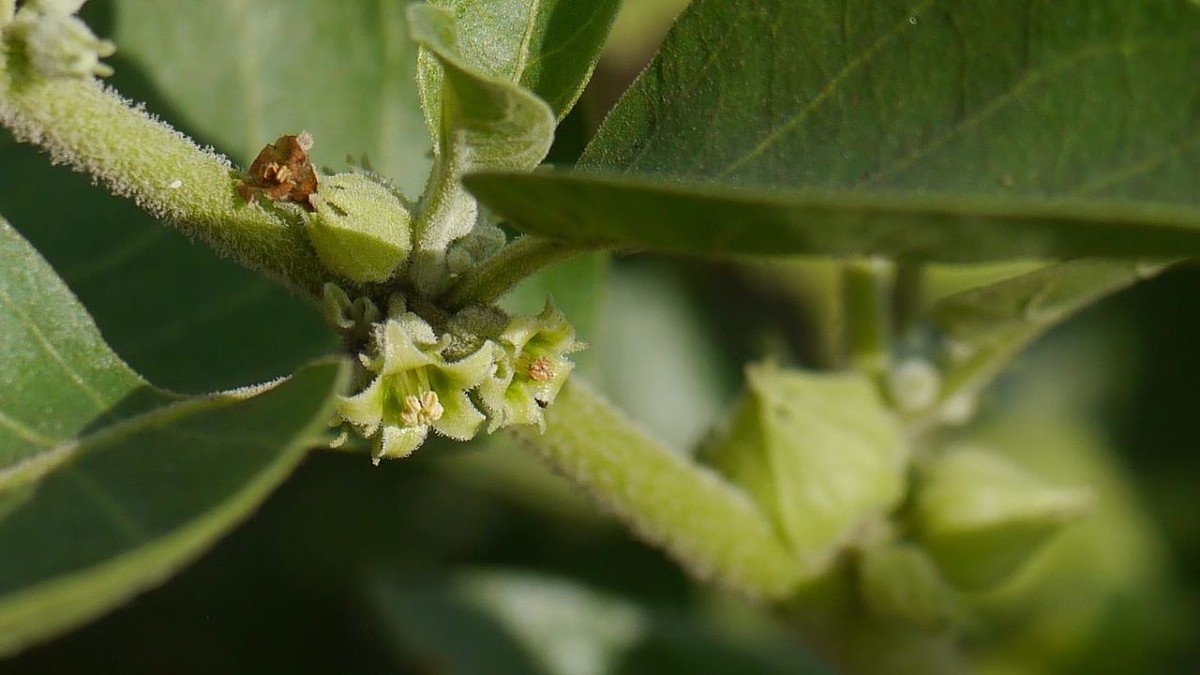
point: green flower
(414, 388)
(533, 368)
(55, 43)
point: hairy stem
(711, 527)
(86, 125)
(497, 275)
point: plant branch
(868, 334)
(86, 125)
(500, 273)
(711, 527)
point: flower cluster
(481, 366)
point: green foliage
(877, 138)
(121, 484)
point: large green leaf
(242, 73)
(613, 211)
(546, 46)
(58, 376)
(997, 120)
(124, 506)
(987, 326)
(106, 484)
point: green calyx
(479, 365)
(49, 41)
(359, 228)
(824, 478)
(982, 518)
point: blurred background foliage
(474, 558)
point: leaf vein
(1031, 79)
(109, 505)
(23, 431)
(53, 353)
(828, 90)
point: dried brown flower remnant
(283, 171)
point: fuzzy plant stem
(86, 125)
(497, 275)
(711, 527)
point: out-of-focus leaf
(523, 624)
(1103, 597)
(988, 326)
(676, 393)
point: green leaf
(122, 507)
(613, 211)
(482, 121)
(882, 114)
(58, 376)
(546, 46)
(106, 484)
(485, 120)
(241, 73)
(987, 327)
(819, 453)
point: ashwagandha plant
(890, 137)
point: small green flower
(414, 388)
(55, 43)
(532, 370)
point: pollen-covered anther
(422, 410)
(531, 370)
(541, 370)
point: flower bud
(982, 518)
(57, 44)
(353, 319)
(819, 452)
(360, 229)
